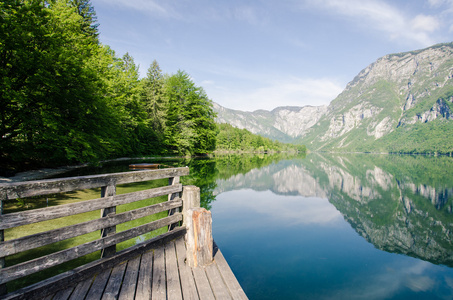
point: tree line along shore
(65, 98)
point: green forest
(67, 98)
(230, 138)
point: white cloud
(425, 23)
(384, 17)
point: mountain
(401, 103)
(283, 123)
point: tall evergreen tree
(87, 12)
(154, 98)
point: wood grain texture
(202, 282)
(108, 191)
(99, 284)
(60, 281)
(48, 213)
(199, 237)
(130, 279)
(159, 283)
(63, 294)
(48, 237)
(112, 290)
(41, 263)
(188, 287)
(145, 278)
(171, 267)
(81, 290)
(219, 288)
(54, 186)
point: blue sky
(261, 54)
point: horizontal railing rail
(106, 223)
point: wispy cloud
(385, 17)
(290, 91)
(146, 6)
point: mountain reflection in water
(281, 224)
(400, 204)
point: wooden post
(172, 181)
(190, 198)
(199, 237)
(107, 191)
(198, 222)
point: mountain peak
(400, 96)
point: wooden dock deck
(160, 273)
(181, 263)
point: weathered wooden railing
(107, 223)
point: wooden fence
(107, 223)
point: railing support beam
(107, 191)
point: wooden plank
(202, 282)
(108, 191)
(63, 294)
(41, 263)
(24, 189)
(218, 286)
(171, 266)
(158, 291)
(171, 197)
(113, 287)
(98, 286)
(48, 237)
(81, 290)
(52, 285)
(48, 213)
(145, 277)
(228, 276)
(189, 289)
(130, 279)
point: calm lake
(330, 227)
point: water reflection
(400, 204)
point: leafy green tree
(190, 126)
(230, 138)
(50, 108)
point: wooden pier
(181, 263)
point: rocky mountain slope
(283, 123)
(401, 103)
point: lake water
(336, 227)
(330, 227)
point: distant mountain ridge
(400, 103)
(283, 123)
